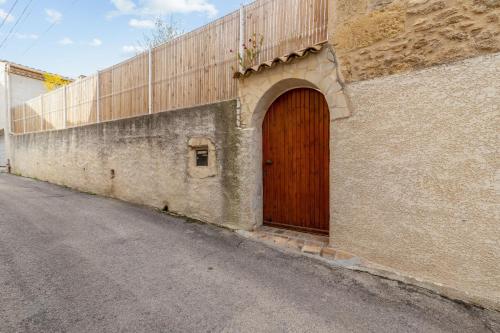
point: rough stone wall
(145, 160)
(375, 38)
(416, 175)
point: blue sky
(73, 37)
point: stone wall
(375, 38)
(147, 160)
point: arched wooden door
(296, 159)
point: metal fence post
(65, 108)
(41, 113)
(150, 81)
(8, 83)
(242, 35)
(24, 117)
(98, 95)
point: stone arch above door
(316, 71)
(257, 92)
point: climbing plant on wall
(251, 52)
(54, 81)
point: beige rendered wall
(147, 160)
(416, 175)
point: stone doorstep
(297, 242)
(301, 242)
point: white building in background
(17, 84)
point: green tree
(162, 32)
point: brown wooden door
(296, 159)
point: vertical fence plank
(193, 69)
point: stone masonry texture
(375, 38)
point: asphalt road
(72, 262)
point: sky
(80, 37)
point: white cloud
(25, 36)
(179, 6)
(162, 7)
(132, 49)
(124, 5)
(53, 16)
(3, 15)
(66, 41)
(95, 42)
(141, 24)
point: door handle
(269, 162)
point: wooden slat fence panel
(33, 115)
(286, 25)
(197, 67)
(194, 69)
(53, 110)
(123, 89)
(17, 118)
(81, 102)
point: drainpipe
(150, 80)
(242, 34)
(98, 97)
(8, 125)
(238, 113)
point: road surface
(73, 262)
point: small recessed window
(202, 157)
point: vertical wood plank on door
(295, 135)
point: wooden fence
(194, 69)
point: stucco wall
(25, 88)
(21, 89)
(416, 175)
(150, 156)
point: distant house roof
(280, 60)
(26, 71)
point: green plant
(162, 32)
(251, 52)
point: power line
(45, 32)
(17, 22)
(8, 14)
(35, 42)
(27, 16)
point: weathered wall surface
(416, 175)
(145, 160)
(375, 38)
